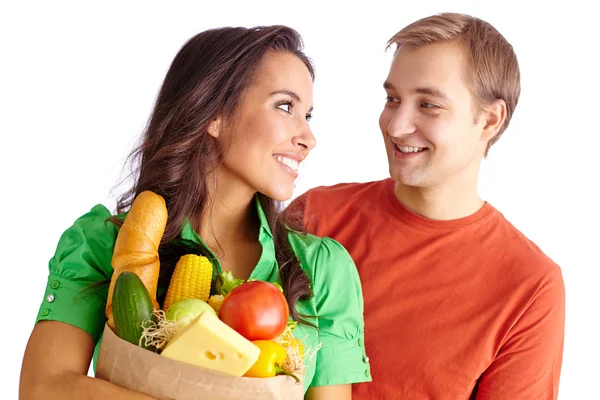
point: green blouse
(83, 257)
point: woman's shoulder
(92, 229)
(97, 218)
(309, 244)
(98, 213)
(322, 255)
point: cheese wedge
(209, 343)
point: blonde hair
(491, 71)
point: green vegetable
(132, 308)
(186, 310)
(225, 283)
(278, 286)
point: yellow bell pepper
(272, 354)
(271, 358)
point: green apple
(186, 310)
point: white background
(77, 83)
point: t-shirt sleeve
(305, 213)
(294, 213)
(341, 358)
(80, 272)
(528, 365)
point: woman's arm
(338, 392)
(56, 364)
(341, 359)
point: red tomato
(256, 310)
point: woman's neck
(228, 216)
(229, 225)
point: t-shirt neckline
(458, 223)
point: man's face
(430, 132)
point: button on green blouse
(83, 257)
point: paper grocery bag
(141, 370)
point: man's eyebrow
(429, 91)
(292, 94)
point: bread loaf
(136, 247)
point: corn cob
(191, 279)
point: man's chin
(408, 179)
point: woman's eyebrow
(289, 93)
(292, 95)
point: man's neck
(443, 202)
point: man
(458, 303)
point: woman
(226, 137)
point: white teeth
(406, 149)
(293, 164)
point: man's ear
(214, 128)
(493, 118)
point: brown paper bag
(141, 370)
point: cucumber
(132, 308)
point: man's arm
(529, 363)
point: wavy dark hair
(207, 80)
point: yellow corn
(215, 302)
(191, 280)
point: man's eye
(390, 99)
(426, 104)
(308, 117)
(285, 106)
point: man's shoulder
(322, 206)
(331, 195)
(524, 253)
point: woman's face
(269, 136)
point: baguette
(136, 247)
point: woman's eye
(308, 117)
(390, 99)
(286, 106)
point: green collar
(267, 262)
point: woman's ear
(214, 128)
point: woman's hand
(56, 364)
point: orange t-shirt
(461, 309)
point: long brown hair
(206, 80)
